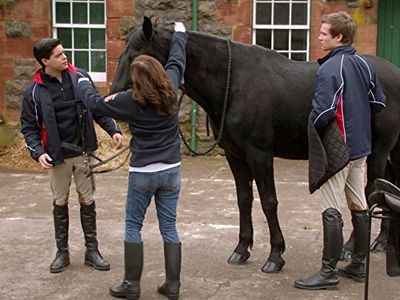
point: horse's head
(148, 40)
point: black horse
(269, 102)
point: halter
(224, 108)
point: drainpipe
(193, 137)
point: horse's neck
(207, 61)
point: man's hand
(179, 27)
(45, 161)
(118, 138)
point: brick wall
(364, 13)
(238, 15)
(23, 22)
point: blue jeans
(165, 187)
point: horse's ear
(147, 28)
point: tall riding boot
(356, 269)
(130, 287)
(172, 256)
(92, 255)
(61, 224)
(328, 277)
(347, 249)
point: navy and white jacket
(155, 138)
(347, 89)
(39, 120)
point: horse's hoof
(378, 246)
(346, 255)
(237, 258)
(273, 266)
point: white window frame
(289, 27)
(96, 76)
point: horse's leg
(392, 174)
(261, 165)
(244, 190)
(395, 164)
(380, 167)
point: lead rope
(224, 108)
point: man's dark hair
(44, 48)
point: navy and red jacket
(347, 89)
(39, 121)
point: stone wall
(23, 22)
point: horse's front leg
(244, 190)
(261, 164)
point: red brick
(40, 29)
(2, 96)
(242, 34)
(21, 48)
(7, 68)
(244, 14)
(119, 8)
(114, 49)
(113, 26)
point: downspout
(193, 136)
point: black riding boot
(328, 277)
(172, 256)
(61, 224)
(356, 269)
(130, 287)
(92, 255)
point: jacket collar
(345, 49)
(38, 74)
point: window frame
(288, 27)
(96, 76)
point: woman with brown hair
(151, 110)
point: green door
(389, 30)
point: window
(283, 25)
(81, 27)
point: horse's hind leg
(392, 174)
(244, 190)
(378, 166)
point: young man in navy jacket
(58, 131)
(346, 91)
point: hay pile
(16, 157)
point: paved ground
(208, 225)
